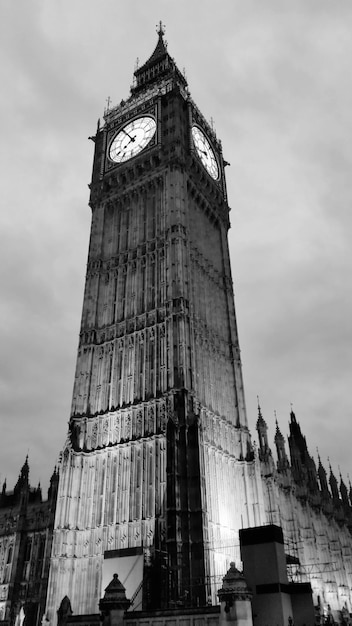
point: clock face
(132, 139)
(205, 152)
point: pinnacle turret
(23, 478)
(54, 484)
(333, 484)
(344, 492)
(323, 478)
(303, 465)
(262, 430)
(282, 460)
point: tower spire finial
(160, 29)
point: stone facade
(158, 423)
(159, 460)
(315, 514)
(26, 530)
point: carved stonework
(149, 421)
(162, 417)
(106, 430)
(139, 423)
(128, 426)
(94, 435)
(155, 286)
(117, 434)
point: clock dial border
(126, 131)
(205, 152)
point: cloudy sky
(276, 78)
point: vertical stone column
(235, 598)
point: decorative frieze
(119, 426)
(220, 433)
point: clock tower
(158, 464)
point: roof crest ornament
(160, 29)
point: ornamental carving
(94, 435)
(128, 426)
(150, 426)
(139, 423)
(117, 430)
(120, 344)
(105, 432)
(162, 416)
(151, 317)
(130, 326)
(140, 322)
(110, 334)
(3, 592)
(169, 406)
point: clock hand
(128, 135)
(131, 139)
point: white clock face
(132, 139)
(205, 152)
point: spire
(54, 482)
(350, 491)
(322, 477)
(160, 48)
(158, 66)
(343, 491)
(25, 469)
(161, 31)
(260, 420)
(278, 434)
(282, 460)
(23, 481)
(333, 484)
(264, 450)
(303, 466)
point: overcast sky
(276, 78)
